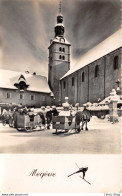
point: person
(43, 110)
(55, 112)
(49, 118)
(11, 120)
(15, 113)
(4, 113)
(83, 170)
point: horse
(42, 117)
(84, 117)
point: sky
(26, 27)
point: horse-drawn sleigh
(63, 121)
(68, 121)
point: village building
(24, 88)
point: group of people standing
(45, 113)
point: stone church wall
(112, 75)
(96, 84)
(83, 85)
(92, 87)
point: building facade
(23, 88)
(93, 81)
(59, 58)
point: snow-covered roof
(108, 99)
(59, 40)
(59, 15)
(108, 45)
(59, 24)
(37, 83)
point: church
(92, 78)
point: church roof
(59, 40)
(37, 83)
(108, 45)
(59, 24)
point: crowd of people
(45, 114)
(9, 116)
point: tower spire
(60, 7)
(59, 27)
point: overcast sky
(26, 27)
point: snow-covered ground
(103, 137)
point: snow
(59, 24)
(108, 45)
(59, 40)
(36, 83)
(64, 113)
(104, 104)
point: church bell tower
(59, 57)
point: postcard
(60, 97)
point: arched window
(60, 49)
(63, 49)
(83, 77)
(63, 57)
(96, 71)
(72, 81)
(116, 62)
(64, 84)
(59, 56)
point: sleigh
(28, 122)
(62, 124)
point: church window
(96, 71)
(64, 84)
(116, 62)
(21, 96)
(63, 49)
(63, 57)
(72, 81)
(83, 77)
(60, 49)
(59, 56)
(8, 95)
